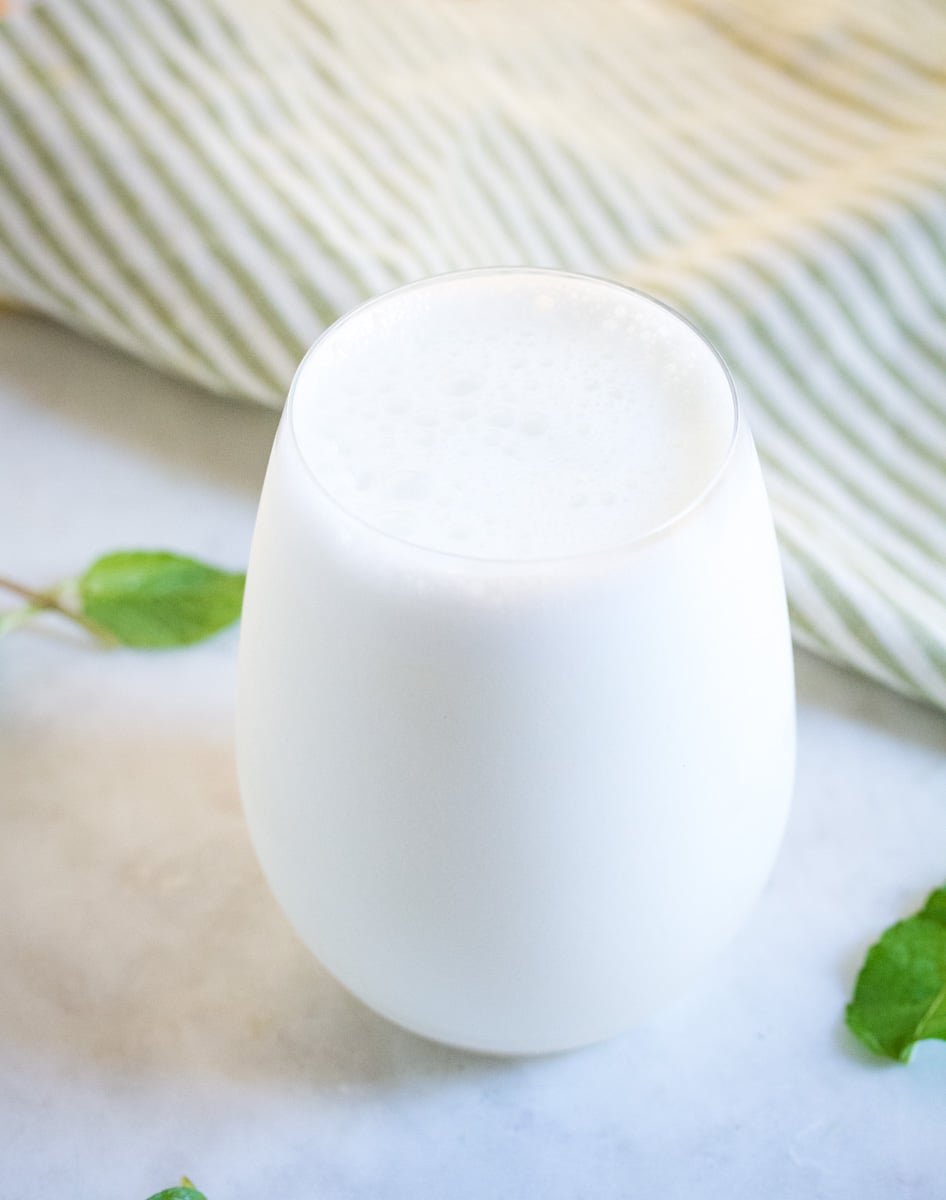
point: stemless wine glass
(516, 711)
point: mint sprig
(149, 599)
(186, 1191)
(900, 996)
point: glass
(512, 799)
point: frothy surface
(513, 416)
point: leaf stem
(17, 617)
(38, 602)
(38, 599)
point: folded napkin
(208, 183)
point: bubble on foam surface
(513, 416)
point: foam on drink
(517, 416)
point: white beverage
(516, 720)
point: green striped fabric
(208, 183)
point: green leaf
(178, 1193)
(900, 996)
(154, 599)
(186, 1191)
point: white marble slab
(157, 1016)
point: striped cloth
(208, 183)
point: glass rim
(619, 548)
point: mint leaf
(186, 1191)
(178, 1193)
(154, 599)
(900, 996)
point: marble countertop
(158, 1016)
